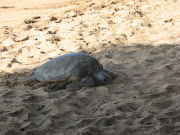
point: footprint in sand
(162, 105)
(128, 107)
(172, 89)
(169, 130)
(9, 94)
(147, 120)
(32, 99)
(105, 122)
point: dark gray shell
(61, 68)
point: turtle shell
(62, 67)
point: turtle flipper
(31, 78)
(111, 73)
(85, 82)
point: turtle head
(103, 78)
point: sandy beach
(139, 40)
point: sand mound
(138, 40)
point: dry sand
(137, 39)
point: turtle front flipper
(111, 73)
(85, 82)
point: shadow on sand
(143, 99)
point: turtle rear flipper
(32, 78)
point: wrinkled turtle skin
(76, 69)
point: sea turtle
(77, 70)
